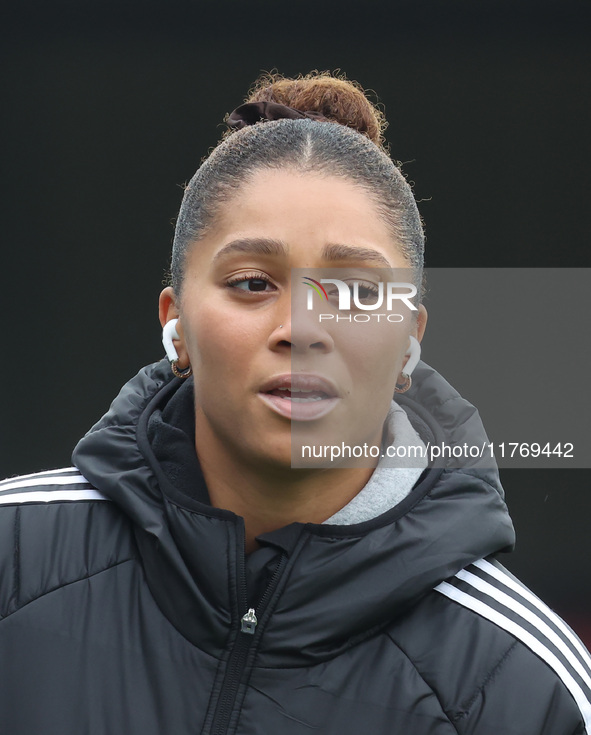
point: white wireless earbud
(414, 352)
(168, 334)
(414, 355)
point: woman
(184, 577)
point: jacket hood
(334, 585)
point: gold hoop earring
(405, 386)
(180, 373)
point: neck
(273, 497)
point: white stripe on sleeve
(508, 581)
(49, 496)
(478, 606)
(530, 616)
(62, 470)
(19, 483)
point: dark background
(108, 108)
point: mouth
(300, 396)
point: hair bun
(335, 98)
(252, 112)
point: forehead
(308, 213)
(308, 197)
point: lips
(300, 396)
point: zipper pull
(249, 622)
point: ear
(167, 310)
(418, 329)
(420, 323)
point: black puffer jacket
(124, 600)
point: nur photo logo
(359, 295)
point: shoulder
(55, 528)
(61, 485)
(499, 659)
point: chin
(273, 464)
(272, 455)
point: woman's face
(269, 373)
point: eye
(361, 292)
(251, 283)
(368, 292)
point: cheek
(221, 349)
(375, 356)
(208, 340)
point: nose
(301, 334)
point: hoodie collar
(343, 580)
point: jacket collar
(340, 582)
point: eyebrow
(253, 246)
(330, 253)
(352, 253)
